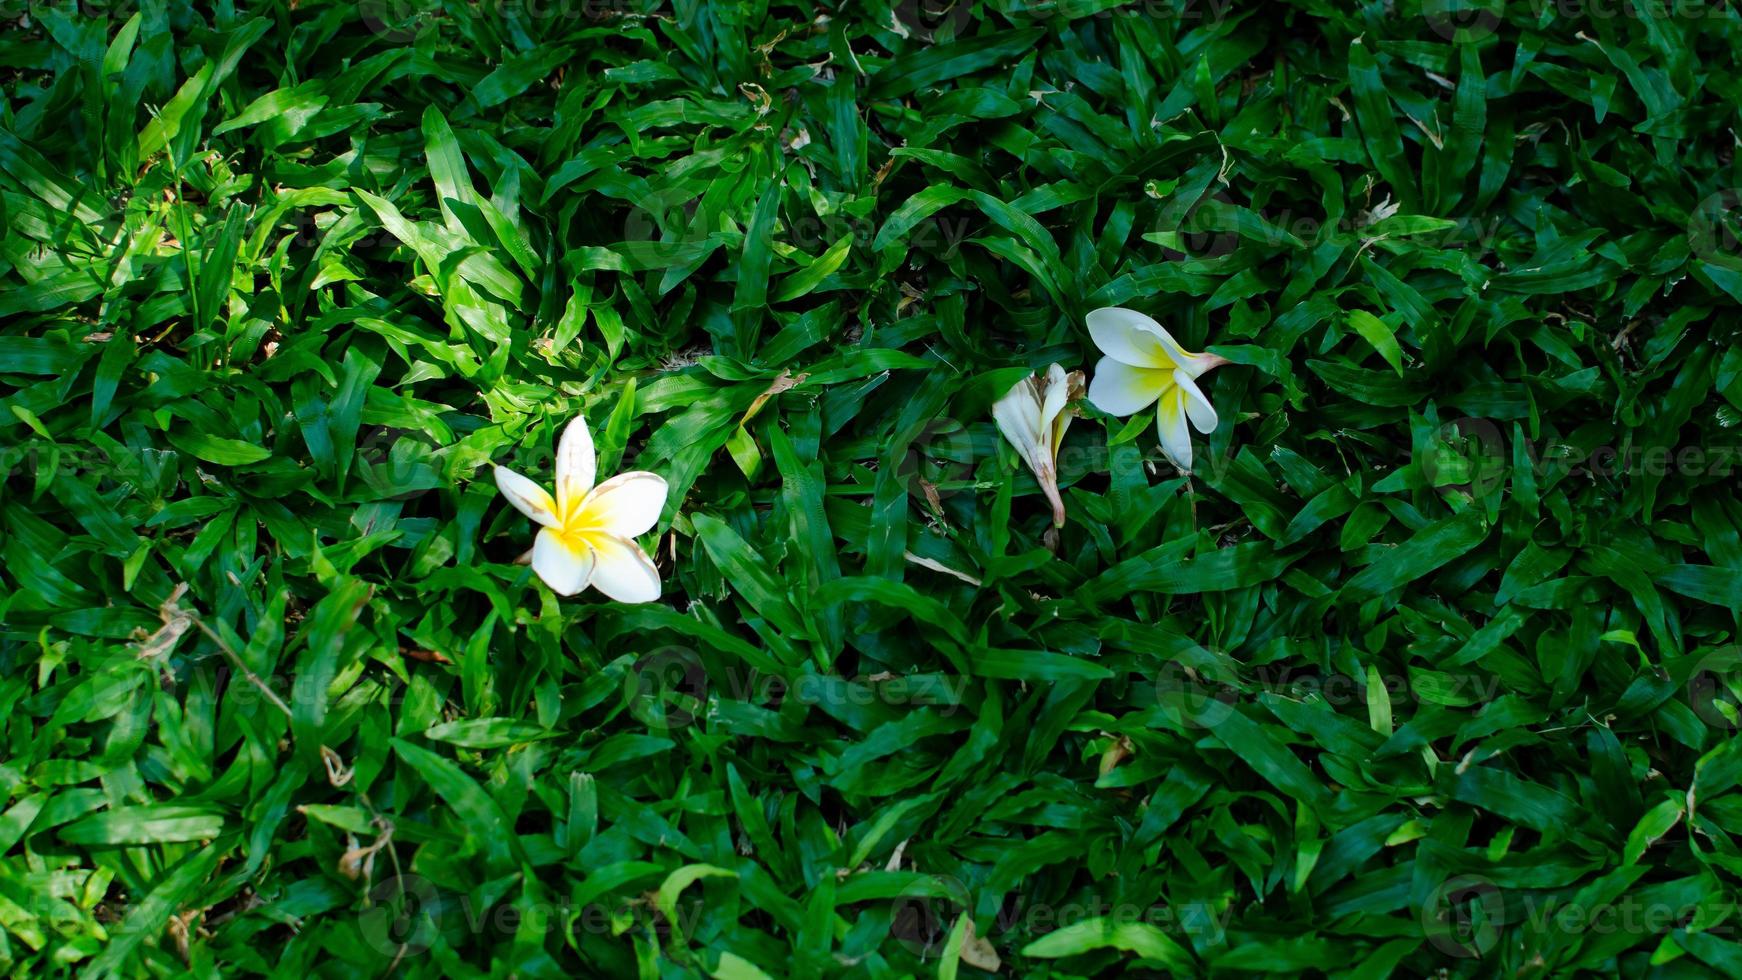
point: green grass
(1430, 665)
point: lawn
(1359, 595)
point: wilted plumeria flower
(1033, 417)
(1145, 364)
(588, 533)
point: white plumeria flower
(587, 533)
(1032, 416)
(1145, 364)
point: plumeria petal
(1059, 425)
(1176, 436)
(565, 562)
(1017, 415)
(575, 465)
(1132, 338)
(626, 505)
(527, 497)
(1196, 365)
(1033, 415)
(1056, 392)
(1120, 389)
(622, 570)
(1198, 407)
(1072, 383)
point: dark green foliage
(1432, 664)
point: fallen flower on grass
(1033, 417)
(587, 533)
(1144, 364)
